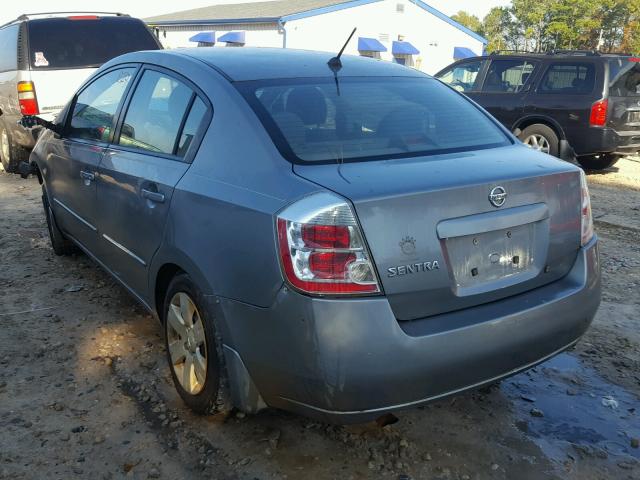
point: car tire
(598, 162)
(61, 245)
(11, 155)
(542, 138)
(194, 348)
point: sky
(146, 8)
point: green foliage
(542, 25)
(470, 21)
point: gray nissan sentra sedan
(335, 245)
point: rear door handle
(88, 177)
(156, 197)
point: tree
(470, 21)
(533, 17)
(500, 30)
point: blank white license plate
(490, 256)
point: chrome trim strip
(77, 217)
(124, 249)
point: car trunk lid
(438, 242)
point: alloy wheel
(537, 142)
(187, 343)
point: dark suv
(562, 103)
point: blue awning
(232, 37)
(463, 52)
(205, 37)
(404, 48)
(370, 45)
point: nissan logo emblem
(498, 196)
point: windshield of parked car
(84, 42)
(624, 77)
(315, 120)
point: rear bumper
(348, 361)
(607, 140)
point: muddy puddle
(567, 409)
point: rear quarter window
(568, 78)
(63, 43)
(9, 48)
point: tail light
(27, 98)
(585, 211)
(322, 248)
(598, 117)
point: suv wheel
(542, 138)
(598, 162)
(60, 244)
(194, 349)
(10, 155)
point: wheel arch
(540, 119)
(165, 266)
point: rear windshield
(368, 118)
(59, 43)
(624, 77)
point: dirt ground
(85, 390)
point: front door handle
(156, 197)
(88, 177)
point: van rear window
(624, 77)
(62, 43)
(359, 119)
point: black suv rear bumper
(607, 140)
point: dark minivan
(45, 57)
(563, 103)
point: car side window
(96, 105)
(569, 78)
(191, 126)
(508, 76)
(155, 114)
(462, 77)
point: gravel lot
(85, 391)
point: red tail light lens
(326, 236)
(27, 98)
(83, 17)
(585, 211)
(598, 116)
(322, 249)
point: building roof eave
(224, 21)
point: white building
(406, 31)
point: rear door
(505, 88)
(151, 151)
(64, 51)
(565, 93)
(73, 158)
(624, 95)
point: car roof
(246, 63)
(550, 57)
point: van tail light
(27, 98)
(585, 211)
(322, 249)
(598, 117)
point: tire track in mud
(212, 461)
